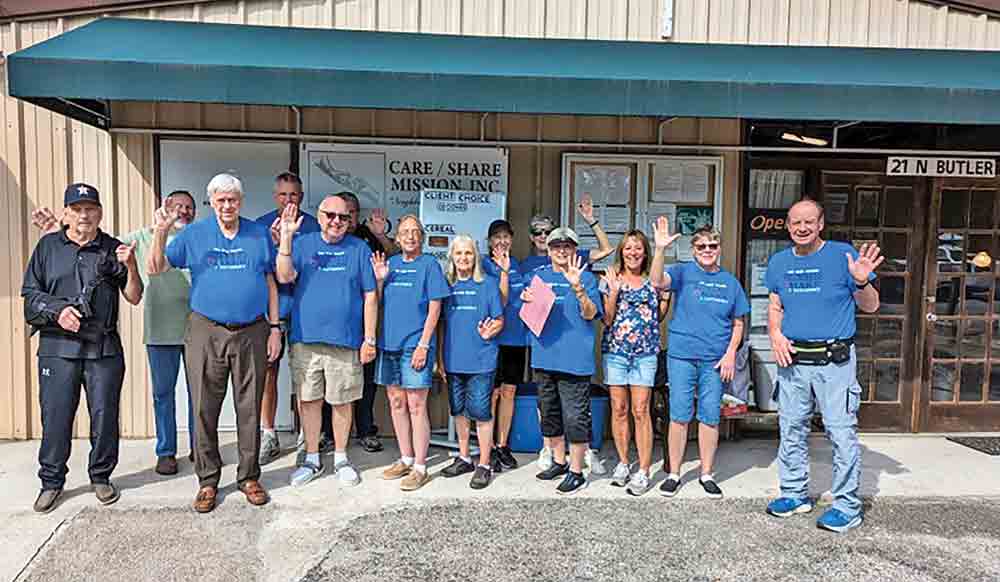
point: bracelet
(866, 283)
(424, 346)
(595, 223)
(284, 254)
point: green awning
(154, 60)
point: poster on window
(392, 177)
(449, 213)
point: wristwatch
(370, 341)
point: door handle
(931, 317)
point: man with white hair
(233, 328)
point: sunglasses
(535, 232)
(331, 216)
(713, 246)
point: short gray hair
(225, 184)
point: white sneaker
(620, 475)
(594, 463)
(347, 474)
(270, 448)
(306, 473)
(544, 459)
(638, 484)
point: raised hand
(126, 253)
(869, 258)
(574, 270)
(291, 220)
(501, 256)
(586, 208)
(613, 280)
(380, 266)
(45, 220)
(163, 219)
(377, 222)
(661, 233)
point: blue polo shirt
(287, 290)
(465, 351)
(567, 341)
(328, 305)
(816, 291)
(707, 304)
(228, 277)
(513, 333)
(406, 295)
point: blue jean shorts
(685, 377)
(620, 370)
(471, 396)
(394, 369)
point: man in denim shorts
(815, 287)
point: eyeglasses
(712, 246)
(289, 193)
(331, 216)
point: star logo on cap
(84, 191)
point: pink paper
(535, 312)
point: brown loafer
(166, 465)
(204, 502)
(255, 492)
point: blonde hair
(477, 266)
(706, 233)
(415, 219)
(620, 258)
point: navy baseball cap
(80, 192)
(499, 225)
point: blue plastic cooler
(526, 432)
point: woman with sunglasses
(540, 227)
(633, 309)
(411, 286)
(473, 316)
(705, 332)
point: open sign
(767, 223)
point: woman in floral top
(633, 309)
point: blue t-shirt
(513, 333)
(287, 290)
(567, 341)
(707, 304)
(228, 277)
(532, 263)
(816, 291)
(465, 351)
(406, 295)
(329, 302)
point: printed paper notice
(616, 219)
(668, 178)
(758, 283)
(758, 312)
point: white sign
(447, 213)
(950, 167)
(391, 177)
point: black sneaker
(458, 467)
(711, 488)
(495, 465)
(482, 478)
(506, 458)
(669, 487)
(553, 472)
(572, 483)
(370, 444)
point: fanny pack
(821, 353)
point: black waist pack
(821, 353)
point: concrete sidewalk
(293, 534)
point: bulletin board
(630, 191)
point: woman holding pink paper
(633, 309)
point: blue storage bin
(526, 432)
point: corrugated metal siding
(41, 151)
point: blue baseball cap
(80, 192)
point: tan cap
(562, 234)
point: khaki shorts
(322, 371)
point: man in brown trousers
(233, 328)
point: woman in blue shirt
(473, 316)
(512, 339)
(633, 309)
(411, 286)
(705, 332)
